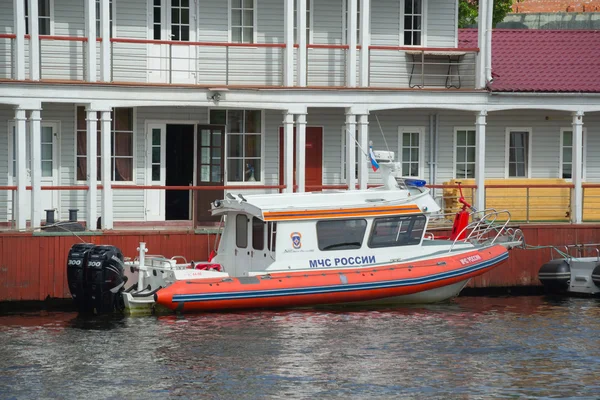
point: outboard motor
(555, 276)
(596, 275)
(97, 278)
(75, 276)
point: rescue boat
(308, 249)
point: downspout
(435, 154)
(431, 150)
(488, 39)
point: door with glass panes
(49, 167)
(210, 171)
(174, 21)
(156, 171)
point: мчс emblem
(296, 240)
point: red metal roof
(542, 60)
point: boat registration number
(470, 259)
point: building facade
(260, 96)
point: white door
(172, 20)
(156, 135)
(49, 167)
(243, 244)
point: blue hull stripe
(185, 298)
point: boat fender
(596, 275)
(555, 275)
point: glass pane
(175, 16)
(46, 168)
(81, 169)
(461, 138)
(46, 151)
(205, 137)
(406, 139)
(253, 121)
(461, 154)
(512, 169)
(123, 144)
(215, 174)
(216, 138)
(157, 15)
(567, 154)
(44, 26)
(81, 124)
(248, 3)
(235, 147)
(185, 33)
(414, 169)
(236, 18)
(46, 134)
(236, 3)
(205, 155)
(414, 154)
(405, 169)
(520, 169)
(124, 169)
(407, 22)
(258, 234)
(408, 9)
(205, 173)
(155, 155)
(520, 155)
(156, 137)
(216, 155)
(123, 119)
(157, 32)
(407, 38)
(236, 35)
(471, 138)
(81, 143)
(351, 237)
(235, 170)
(252, 146)
(567, 138)
(185, 3)
(156, 173)
(44, 8)
(415, 139)
(248, 18)
(417, 9)
(175, 32)
(248, 35)
(405, 154)
(234, 121)
(218, 117)
(252, 170)
(416, 38)
(470, 171)
(471, 154)
(241, 231)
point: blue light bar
(415, 182)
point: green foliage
(468, 10)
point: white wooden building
(209, 93)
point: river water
(473, 347)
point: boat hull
(430, 280)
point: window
(44, 17)
(180, 20)
(258, 234)
(397, 231)
(410, 151)
(244, 143)
(272, 233)
(344, 234)
(413, 22)
(357, 154)
(566, 153)
(308, 22)
(518, 153)
(121, 145)
(465, 153)
(157, 20)
(110, 19)
(345, 22)
(241, 231)
(46, 153)
(242, 21)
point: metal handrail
(482, 226)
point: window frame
(260, 181)
(583, 158)
(421, 131)
(529, 153)
(362, 242)
(414, 218)
(345, 22)
(49, 17)
(309, 21)
(424, 4)
(112, 20)
(357, 155)
(455, 148)
(254, 22)
(134, 148)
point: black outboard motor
(97, 285)
(596, 275)
(75, 276)
(555, 276)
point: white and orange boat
(307, 249)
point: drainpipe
(481, 42)
(488, 39)
(431, 150)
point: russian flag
(373, 161)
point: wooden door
(314, 158)
(210, 171)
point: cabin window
(44, 17)
(464, 153)
(566, 153)
(258, 234)
(272, 233)
(357, 154)
(121, 145)
(242, 21)
(241, 231)
(344, 234)
(413, 22)
(308, 21)
(397, 231)
(411, 143)
(110, 19)
(345, 22)
(518, 153)
(244, 143)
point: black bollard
(73, 214)
(49, 217)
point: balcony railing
(245, 64)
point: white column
(288, 152)
(21, 170)
(35, 122)
(577, 203)
(19, 52)
(489, 13)
(351, 40)
(34, 42)
(301, 152)
(107, 194)
(288, 57)
(90, 24)
(92, 181)
(480, 122)
(350, 150)
(363, 140)
(365, 42)
(302, 50)
(481, 42)
(105, 55)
